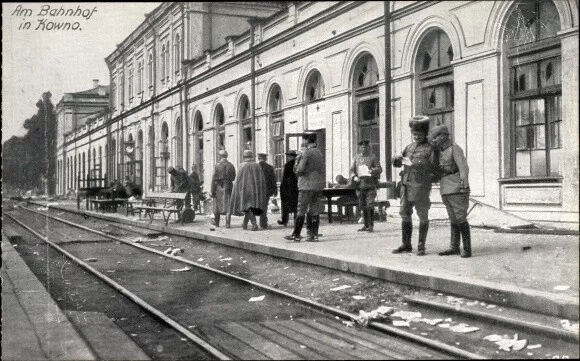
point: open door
(294, 140)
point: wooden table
(329, 193)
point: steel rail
(133, 297)
(434, 344)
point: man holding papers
(365, 171)
(419, 163)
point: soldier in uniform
(454, 189)
(221, 188)
(420, 165)
(308, 168)
(365, 171)
(288, 189)
(271, 186)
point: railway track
(211, 309)
(298, 327)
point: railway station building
(195, 78)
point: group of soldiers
(432, 157)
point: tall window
(167, 63)
(179, 142)
(245, 117)
(535, 88)
(177, 54)
(366, 92)
(139, 77)
(163, 68)
(113, 93)
(130, 81)
(150, 69)
(139, 159)
(314, 87)
(277, 131)
(152, 165)
(198, 143)
(219, 121)
(436, 78)
(162, 168)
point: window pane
(522, 138)
(538, 158)
(521, 27)
(523, 164)
(555, 139)
(549, 20)
(369, 111)
(550, 72)
(537, 111)
(555, 156)
(539, 136)
(521, 111)
(444, 46)
(525, 77)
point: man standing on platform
(420, 166)
(271, 186)
(454, 189)
(309, 169)
(288, 189)
(249, 193)
(365, 171)
(194, 186)
(221, 188)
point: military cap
(248, 154)
(170, 169)
(440, 129)
(223, 153)
(309, 136)
(291, 152)
(365, 142)
(419, 123)
(263, 155)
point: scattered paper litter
(258, 298)
(463, 328)
(519, 345)
(286, 267)
(357, 297)
(339, 288)
(90, 259)
(138, 240)
(226, 259)
(493, 338)
(448, 320)
(348, 323)
(444, 325)
(200, 260)
(302, 346)
(531, 347)
(401, 323)
(407, 315)
(184, 269)
(336, 280)
(164, 238)
(561, 288)
(432, 322)
(491, 306)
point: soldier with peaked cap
(288, 189)
(271, 186)
(419, 160)
(365, 171)
(221, 187)
(309, 169)
(249, 193)
(454, 189)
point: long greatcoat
(221, 186)
(289, 187)
(249, 190)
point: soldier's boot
(371, 212)
(407, 231)
(253, 221)
(455, 240)
(228, 220)
(466, 235)
(308, 225)
(264, 220)
(216, 219)
(423, 229)
(314, 228)
(365, 214)
(246, 220)
(298, 224)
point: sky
(41, 58)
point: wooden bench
(163, 203)
(107, 204)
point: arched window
(167, 62)
(139, 159)
(366, 98)
(130, 83)
(198, 143)
(245, 119)
(535, 90)
(219, 121)
(179, 142)
(177, 52)
(152, 164)
(314, 87)
(435, 81)
(164, 153)
(277, 130)
(139, 77)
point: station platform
(33, 326)
(536, 272)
